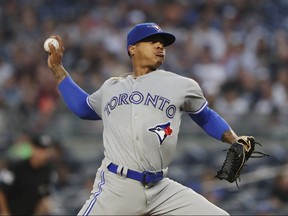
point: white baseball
(53, 41)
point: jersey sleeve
(95, 101)
(194, 100)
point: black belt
(146, 178)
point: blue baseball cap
(144, 30)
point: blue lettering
(170, 111)
(163, 103)
(106, 109)
(150, 99)
(113, 100)
(123, 99)
(136, 97)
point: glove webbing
(258, 154)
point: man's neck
(140, 71)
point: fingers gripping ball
(54, 43)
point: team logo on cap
(162, 131)
(155, 27)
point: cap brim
(168, 38)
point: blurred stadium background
(237, 50)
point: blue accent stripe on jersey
(96, 194)
(203, 106)
(87, 101)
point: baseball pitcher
(141, 114)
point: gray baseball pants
(113, 194)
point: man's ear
(131, 50)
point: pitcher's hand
(55, 56)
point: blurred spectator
(209, 187)
(64, 164)
(25, 184)
(205, 32)
(239, 58)
(280, 90)
(279, 190)
(209, 73)
(265, 105)
(232, 103)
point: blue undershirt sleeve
(76, 99)
(212, 123)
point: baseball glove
(240, 151)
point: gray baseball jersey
(142, 117)
(141, 120)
